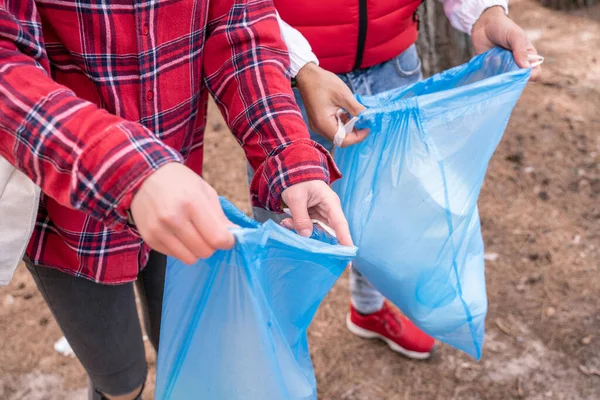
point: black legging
(102, 325)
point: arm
(95, 162)
(245, 68)
(78, 154)
(246, 73)
(322, 91)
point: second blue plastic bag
(410, 192)
(234, 326)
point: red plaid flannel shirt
(95, 96)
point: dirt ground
(540, 212)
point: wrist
(305, 73)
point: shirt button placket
(144, 61)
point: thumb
(521, 48)
(219, 212)
(348, 102)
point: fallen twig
(589, 371)
(503, 327)
(521, 388)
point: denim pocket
(408, 63)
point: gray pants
(400, 71)
(101, 323)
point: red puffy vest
(350, 34)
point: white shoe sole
(366, 334)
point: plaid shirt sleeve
(245, 66)
(80, 155)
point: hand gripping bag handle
(343, 129)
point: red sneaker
(387, 324)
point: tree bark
(568, 4)
(440, 46)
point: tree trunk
(568, 4)
(440, 46)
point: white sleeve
(298, 47)
(464, 13)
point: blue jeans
(403, 70)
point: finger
(326, 126)
(338, 223)
(356, 136)
(348, 102)
(301, 220)
(212, 223)
(213, 230)
(332, 215)
(288, 224)
(220, 214)
(193, 241)
(172, 246)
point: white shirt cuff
(298, 48)
(464, 13)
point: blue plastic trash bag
(234, 326)
(410, 192)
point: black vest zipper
(362, 32)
